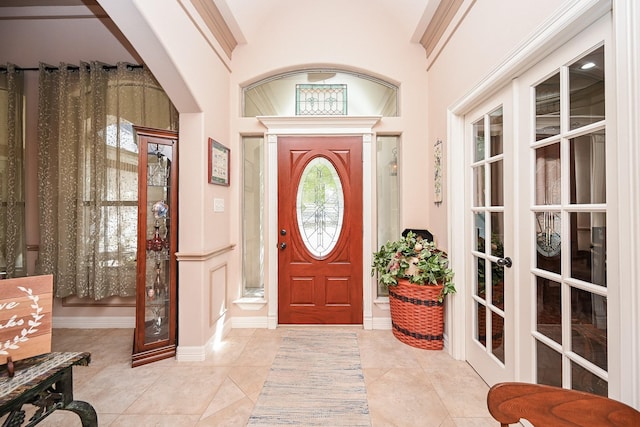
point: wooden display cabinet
(155, 335)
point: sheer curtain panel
(88, 173)
(12, 214)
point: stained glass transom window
(320, 206)
(321, 100)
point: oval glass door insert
(320, 206)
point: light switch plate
(218, 205)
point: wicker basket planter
(417, 317)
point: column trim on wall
(626, 21)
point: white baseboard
(190, 354)
(381, 323)
(261, 322)
(91, 322)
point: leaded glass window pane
(320, 206)
(321, 100)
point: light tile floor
(405, 386)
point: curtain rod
(70, 67)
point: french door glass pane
(497, 234)
(497, 177)
(478, 179)
(548, 240)
(583, 380)
(589, 326)
(497, 285)
(479, 235)
(588, 247)
(481, 330)
(548, 107)
(497, 338)
(588, 169)
(586, 86)
(480, 290)
(478, 138)
(548, 175)
(497, 134)
(549, 365)
(549, 314)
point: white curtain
(12, 215)
(87, 173)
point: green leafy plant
(414, 259)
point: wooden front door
(320, 230)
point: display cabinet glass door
(155, 334)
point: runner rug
(316, 380)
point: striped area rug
(316, 380)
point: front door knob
(283, 246)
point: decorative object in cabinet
(155, 335)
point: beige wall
(488, 34)
(197, 81)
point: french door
(320, 230)
(568, 149)
(490, 299)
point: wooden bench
(544, 405)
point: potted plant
(418, 277)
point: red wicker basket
(417, 317)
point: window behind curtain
(88, 173)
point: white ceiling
(246, 15)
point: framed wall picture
(219, 158)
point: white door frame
(318, 126)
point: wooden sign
(25, 317)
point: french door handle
(504, 262)
(283, 246)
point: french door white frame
(623, 125)
(484, 360)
